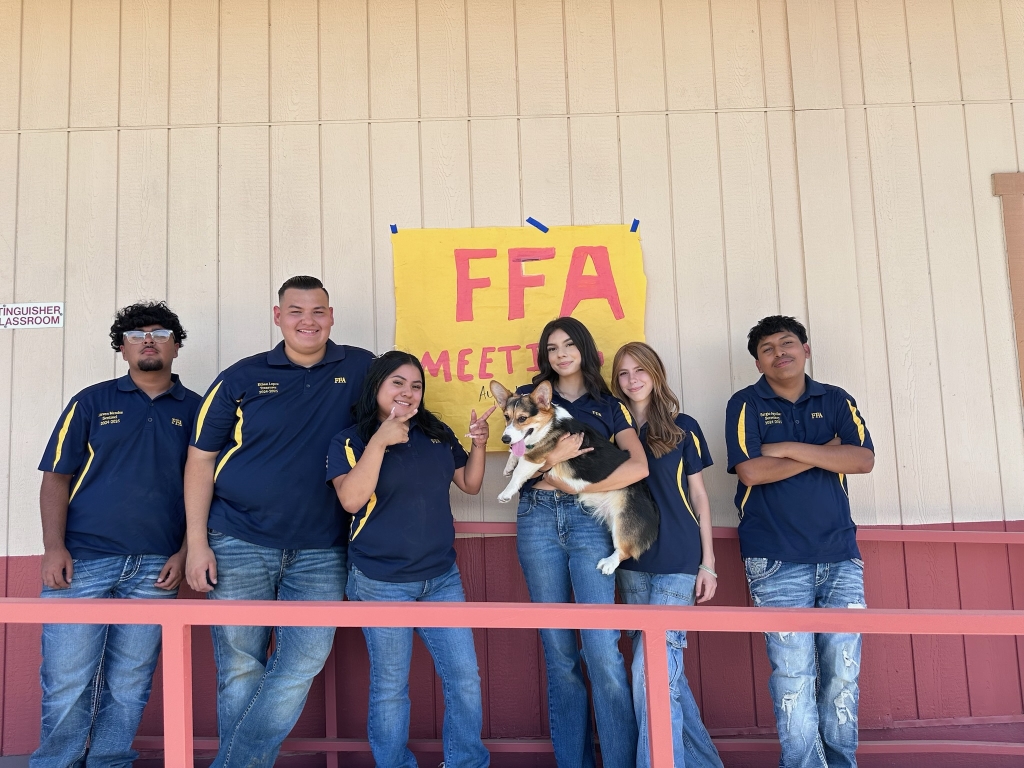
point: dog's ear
(541, 395)
(500, 393)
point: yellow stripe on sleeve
(857, 421)
(206, 407)
(351, 456)
(679, 484)
(842, 483)
(85, 471)
(696, 442)
(741, 432)
(627, 414)
(745, 497)
(63, 434)
(235, 447)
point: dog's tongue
(518, 449)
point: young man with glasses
(792, 442)
(113, 518)
(262, 523)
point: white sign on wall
(33, 315)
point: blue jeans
(454, 655)
(691, 745)
(259, 699)
(96, 678)
(559, 545)
(814, 676)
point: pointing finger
(472, 416)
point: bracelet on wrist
(707, 570)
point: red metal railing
(177, 618)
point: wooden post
(659, 710)
(177, 652)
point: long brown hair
(663, 434)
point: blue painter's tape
(537, 224)
(394, 229)
(636, 225)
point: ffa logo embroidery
(176, 422)
(435, 440)
(817, 415)
(596, 413)
(340, 380)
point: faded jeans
(559, 544)
(96, 678)
(691, 745)
(259, 699)
(454, 655)
(814, 676)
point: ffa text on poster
(471, 304)
(35, 315)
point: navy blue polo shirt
(126, 454)
(406, 531)
(677, 548)
(270, 422)
(606, 415)
(805, 518)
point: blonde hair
(663, 434)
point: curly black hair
(142, 314)
(769, 326)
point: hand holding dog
(569, 447)
(394, 429)
(479, 431)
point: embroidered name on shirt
(771, 418)
(110, 417)
(267, 387)
(340, 380)
(817, 415)
(176, 422)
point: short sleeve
(345, 450)
(742, 439)
(458, 452)
(696, 454)
(621, 417)
(850, 424)
(68, 445)
(216, 417)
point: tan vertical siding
(824, 159)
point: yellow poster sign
(471, 304)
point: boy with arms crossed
(792, 441)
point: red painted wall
(905, 682)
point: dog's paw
(508, 472)
(607, 565)
(504, 498)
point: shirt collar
(332, 354)
(177, 390)
(811, 389)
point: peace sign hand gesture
(395, 429)
(478, 429)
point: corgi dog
(533, 427)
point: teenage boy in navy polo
(262, 524)
(113, 526)
(792, 441)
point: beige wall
(825, 159)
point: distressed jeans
(691, 744)
(259, 699)
(559, 544)
(454, 655)
(96, 678)
(814, 676)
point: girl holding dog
(559, 543)
(680, 566)
(392, 471)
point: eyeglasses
(159, 336)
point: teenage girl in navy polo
(392, 471)
(680, 565)
(559, 544)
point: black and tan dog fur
(629, 513)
